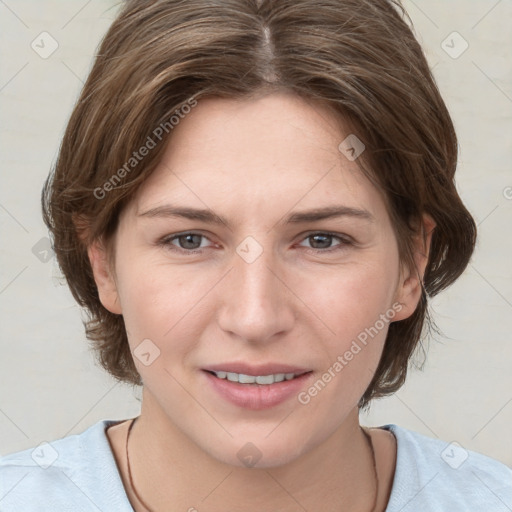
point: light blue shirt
(78, 473)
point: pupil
(325, 240)
(187, 238)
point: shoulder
(433, 475)
(75, 473)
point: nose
(256, 301)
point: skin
(293, 304)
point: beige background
(50, 386)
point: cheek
(351, 297)
(163, 304)
(355, 307)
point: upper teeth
(251, 379)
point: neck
(169, 470)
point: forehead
(255, 156)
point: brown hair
(359, 57)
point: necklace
(366, 435)
(374, 461)
(130, 479)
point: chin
(262, 454)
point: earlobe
(411, 280)
(104, 278)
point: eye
(191, 242)
(184, 242)
(323, 241)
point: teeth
(251, 379)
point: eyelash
(167, 242)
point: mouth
(256, 391)
(262, 380)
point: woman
(254, 202)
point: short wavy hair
(359, 58)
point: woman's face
(257, 288)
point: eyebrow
(208, 216)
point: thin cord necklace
(141, 501)
(374, 461)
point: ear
(104, 277)
(409, 289)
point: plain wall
(50, 386)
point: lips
(256, 370)
(254, 396)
